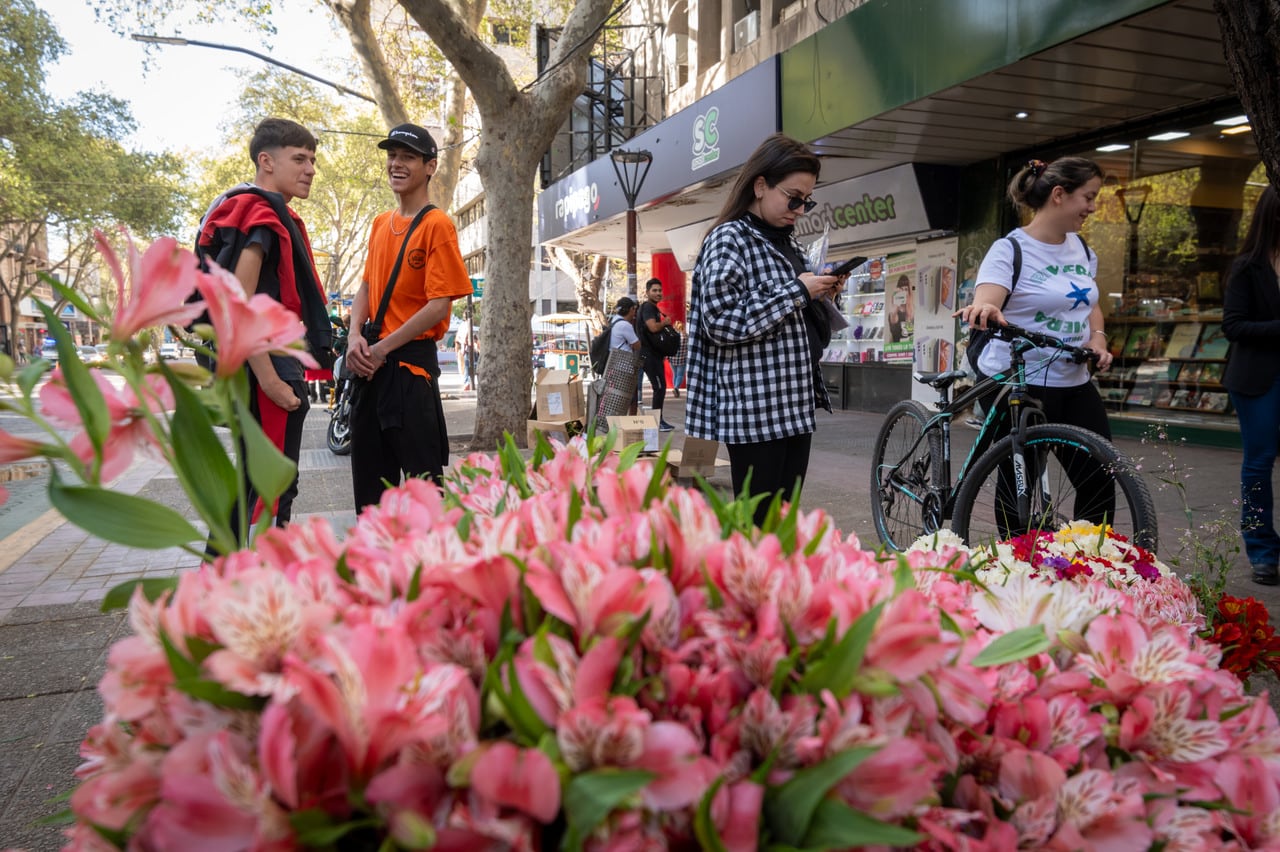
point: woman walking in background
(754, 380)
(1251, 321)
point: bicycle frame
(1025, 412)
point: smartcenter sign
(874, 206)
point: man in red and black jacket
(245, 235)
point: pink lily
(130, 429)
(13, 448)
(160, 280)
(524, 779)
(248, 327)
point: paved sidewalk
(53, 639)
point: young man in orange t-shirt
(397, 419)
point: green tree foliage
(66, 170)
(350, 186)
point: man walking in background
(415, 270)
(246, 233)
(653, 320)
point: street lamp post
(631, 167)
(1134, 199)
(184, 42)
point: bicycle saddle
(940, 380)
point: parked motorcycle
(339, 436)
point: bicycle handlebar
(1009, 332)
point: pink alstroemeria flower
(130, 430)
(248, 327)
(12, 449)
(160, 280)
(521, 778)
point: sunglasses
(795, 202)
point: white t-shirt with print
(1055, 294)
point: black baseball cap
(412, 137)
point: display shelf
(1171, 364)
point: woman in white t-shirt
(1055, 293)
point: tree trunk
(1251, 45)
(517, 126)
(354, 17)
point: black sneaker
(1266, 575)
(664, 426)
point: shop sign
(870, 207)
(713, 136)
(706, 139)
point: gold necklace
(392, 225)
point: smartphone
(846, 266)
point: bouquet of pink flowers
(570, 654)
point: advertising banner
(935, 301)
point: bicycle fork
(1024, 471)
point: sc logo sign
(706, 138)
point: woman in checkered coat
(753, 376)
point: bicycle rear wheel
(901, 472)
(1073, 475)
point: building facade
(922, 111)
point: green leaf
(152, 589)
(704, 828)
(789, 810)
(838, 826)
(903, 577)
(121, 518)
(214, 693)
(592, 796)
(838, 669)
(89, 401)
(270, 470)
(201, 463)
(73, 296)
(1014, 645)
(326, 833)
(183, 667)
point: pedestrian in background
(679, 361)
(622, 370)
(753, 373)
(1251, 321)
(653, 320)
(397, 418)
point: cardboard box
(697, 457)
(635, 430)
(559, 397)
(557, 430)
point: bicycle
(1040, 476)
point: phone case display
(1174, 365)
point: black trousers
(655, 371)
(411, 442)
(1081, 406)
(284, 429)
(776, 467)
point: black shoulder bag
(372, 328)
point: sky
(161, 95)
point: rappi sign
(576, 203)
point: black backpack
(978, 338)
(600, 348)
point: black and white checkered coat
(750, 374)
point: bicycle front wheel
(1072, 474)
(901, 473)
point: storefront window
(1170, 219)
